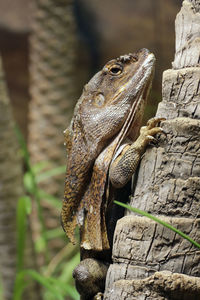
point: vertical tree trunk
(53, 90)
(150, 261)
(11, 188)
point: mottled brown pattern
(109, 110)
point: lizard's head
(109, 97)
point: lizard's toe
(150, 138)
(154, 131)
(148, 133)
(153, 122)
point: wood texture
(11, 189)
(150, 261)
(52, 86)
(53, 91)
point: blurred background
(105, 30)
(49, 50)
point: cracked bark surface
(150, 261)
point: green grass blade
(46, 282)
(22, 210)
(53, 285)
(32, 184)
(22, 143)
(19, 287)
(40, 166)
(42, 280)
(55, 233)
(55, 202)
(66, 289)
(1, 288)
(66, 275)
(49, 173)
(29, 184)
(21, 230)
(145, 214)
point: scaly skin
(124, 165)
(90, 278)
(103, 153)
(109, 111)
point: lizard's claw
(152, 128)
(98, 296)
(151, 139)
(148, 132)
(153, 122)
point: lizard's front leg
(124, 165)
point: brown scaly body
(107, 115)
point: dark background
(106, 29)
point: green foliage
(1, 289)
(145, 214)
(23, 208)
(56, 275)
(53, 172)
(54, 287)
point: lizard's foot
(148, 132)
(125, 164)
(153, 122)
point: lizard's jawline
(139, 95)
(129, 123)
(142, 99)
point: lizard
(104, 145)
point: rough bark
(53, 91)
(11, 188)
(150, 261)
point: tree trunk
(149, 260)
(11, 188)
(53, 91)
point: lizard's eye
(116, 70)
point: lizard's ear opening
(99, 100)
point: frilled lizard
(103, 144)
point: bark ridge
(150, 261)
